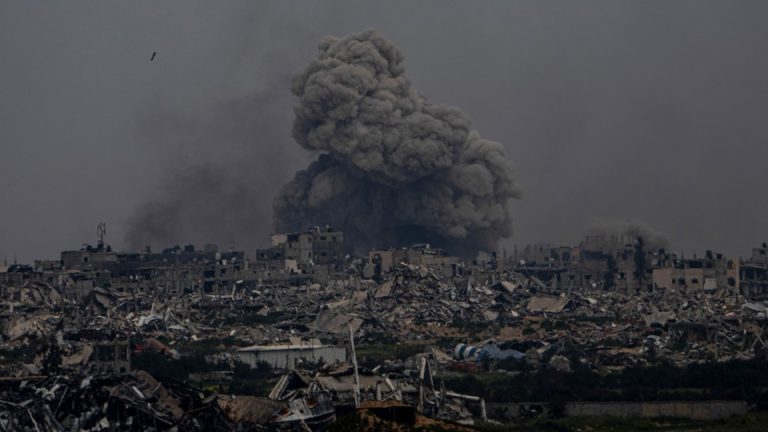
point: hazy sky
(652, 111)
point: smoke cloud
(620, 231)
(203, 204)
(393, 168)
(219, 180)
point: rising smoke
(202, 204)
(219, 179)
(621, 232)
(393, 168)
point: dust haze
(609, 110)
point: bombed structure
(302, 333)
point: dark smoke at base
(395, 169)
(220, 180)
(201, 205)
(622, 230)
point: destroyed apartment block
(314, 255)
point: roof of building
(283, 347)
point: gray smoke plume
(394, 168)
(219, 180)
(617, 233)
(203, 204)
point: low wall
(505, 411)
(697, 410)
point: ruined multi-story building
(384, 261)
(753, 274)
(622, 263)
(612, 262)
(711, 272)
(316, 253)
(89, 257)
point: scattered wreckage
(67, 341)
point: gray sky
(651, 111)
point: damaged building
(107, 318)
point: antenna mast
(101, 231)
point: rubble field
(135, 345)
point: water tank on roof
(466, 352)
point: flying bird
(153, 56)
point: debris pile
(225, 340)
(127, 402)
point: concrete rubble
(74, 401)
(71, 330)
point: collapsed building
(753, 274)
(309, 255)
(385, 261)
(628, 267)
(97, 312)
